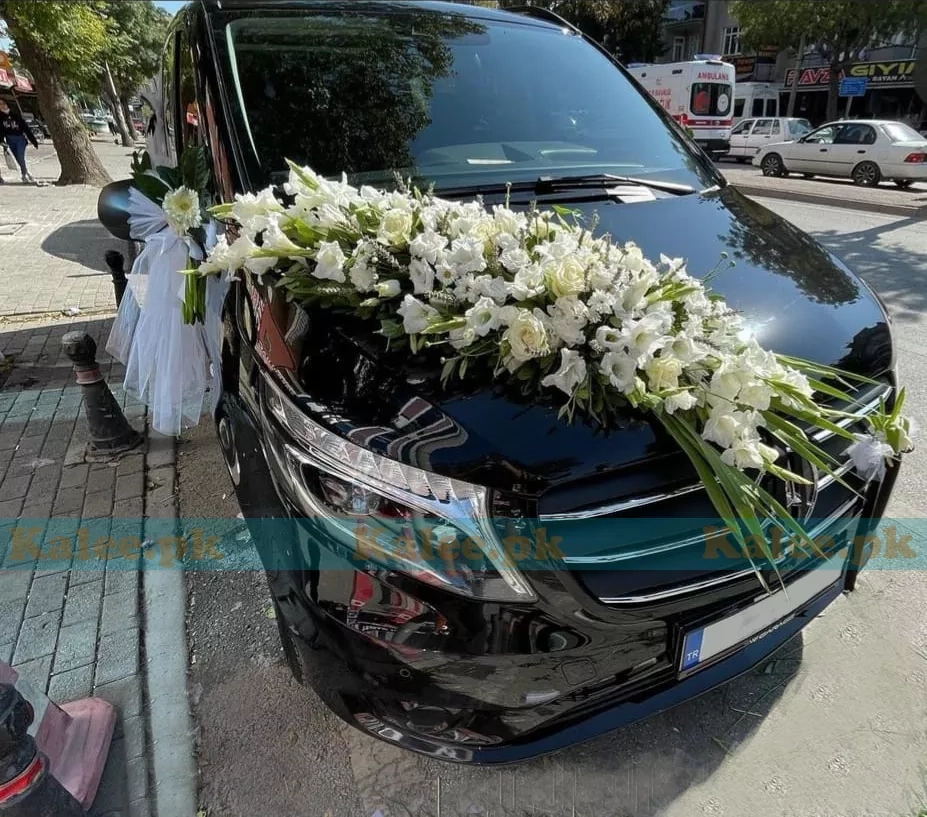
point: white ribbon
(171, 366)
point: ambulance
(699, 95)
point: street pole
(849, 105)
(793, 91)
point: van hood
(796, 297)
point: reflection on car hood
(795, 297)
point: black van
(316, 422)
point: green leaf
(151, 187)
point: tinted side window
(776, 131)
(757, 109)
(771, 107)
(738, 108)
(855, 135)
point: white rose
(466, 255)
(663, 373)
(388, 289)
(515, 259)
(506, 242)
(621, 371)
(422, 275)
(427, 245)
(329, 262)
(415, 315)
(483, 316)
(568, 319)
(528, 283)
(571, 373)
(527, 337)
(508, 221)
(565, 276)
(461, 338)
(395, 228)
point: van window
(738, 108)
(710, 99)
(440, 97)
(772, 106)
(757, 109)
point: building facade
(896, 72)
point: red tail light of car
(916, 158)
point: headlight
(367, 499)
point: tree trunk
(127, 113)
(109, 91)
(79, 161)
(793, 91)
(833, 90)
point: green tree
(60, 44)
(630, 29)
(137, 32)
(839, 27)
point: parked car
(865, 150)
(749, 135)
(319, 421)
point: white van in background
(756, 99)
(698, 94)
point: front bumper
(479, 682)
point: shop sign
(22, 83)
(880, 74)
(6, 81)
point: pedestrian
(15, 132)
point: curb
(173, 767)
(827, 201)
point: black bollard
(110, 432)
(27, 787)
(117, 268)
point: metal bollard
(110, 432)
(27, 787)
(117, 268)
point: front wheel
(772, 165)
(904, 184)
(867, 174)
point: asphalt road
(836, 726)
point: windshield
(441, 97)
(799, 127)
(899, 132)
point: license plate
(703, 645)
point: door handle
(823, 150)
(860, 151)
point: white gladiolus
(571, 373)
(275, 240)
(462, 338)
(680, 401)
(428, 246)
(329, 262)
(466, 255)
(528, 283)
(568, 319)
(182, 208)
(483, 316)
(422, 275)
(621, 371)
(416, 316)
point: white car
(865, 150)
(749, 135)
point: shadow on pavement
(82, 242)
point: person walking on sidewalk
(15, 131)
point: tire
(294, 656)
(904, 184)
(867, 174)
(772, 165)
(742, 160)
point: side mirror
(112, 208)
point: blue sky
(170, 5)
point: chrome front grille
(837, 497)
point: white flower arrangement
(182, 208)
(540, 301)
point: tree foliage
(630, 29)
(138, 30)
(840, 28)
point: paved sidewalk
(72, 632)
(885, 198)
(51, 244)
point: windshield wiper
(546, 185)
